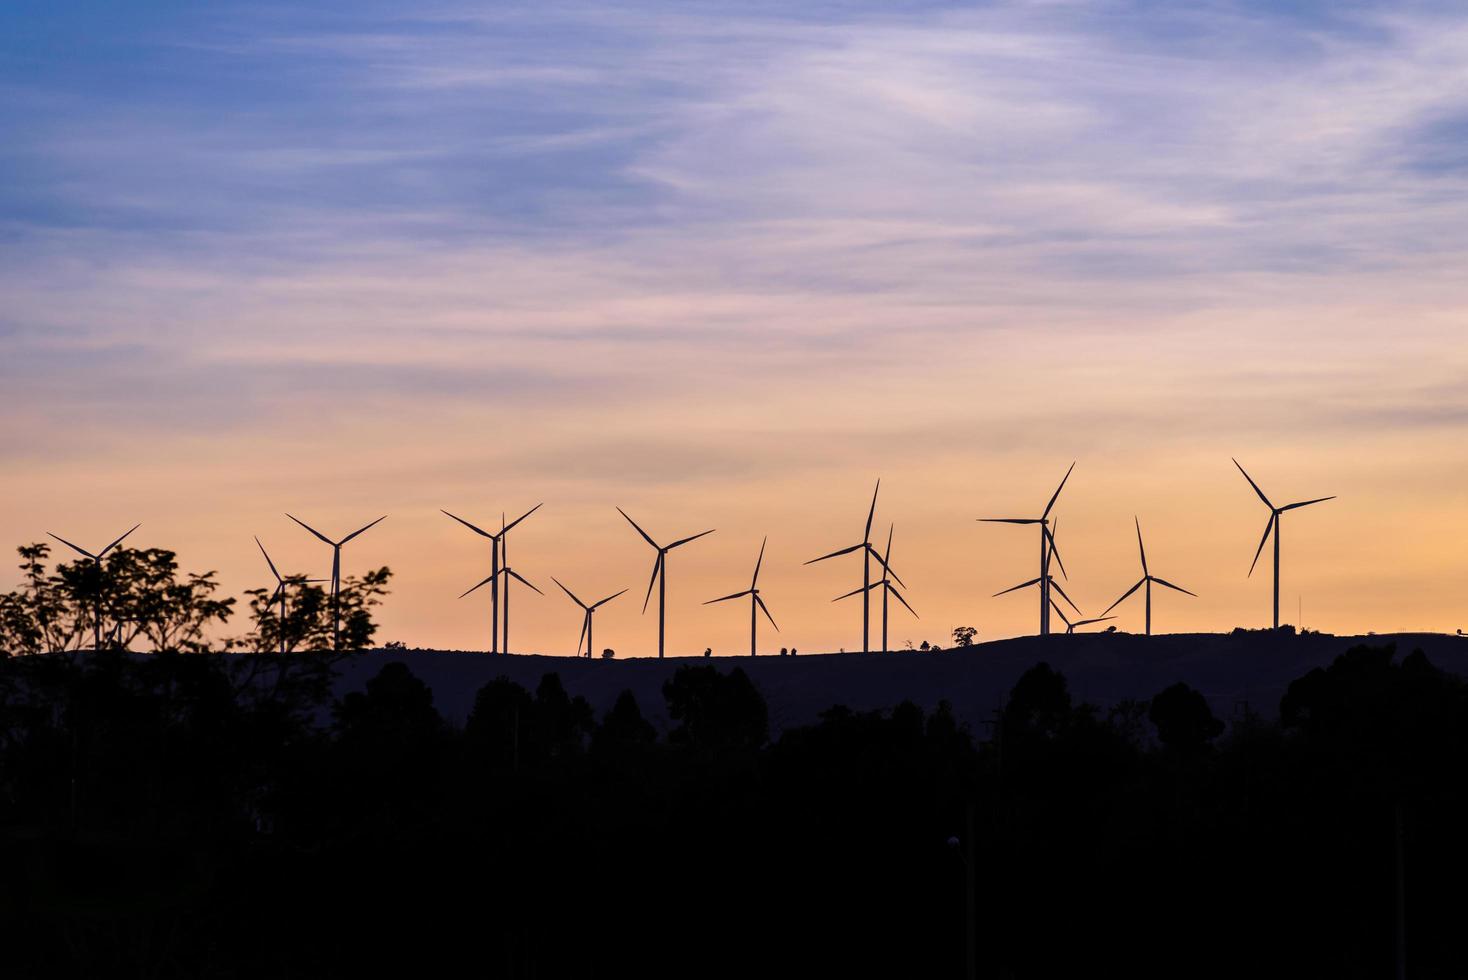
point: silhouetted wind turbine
(1045, 535)
(756, 604)
(1049, 580)
(867, 554)
(508, 573)
(1273, 525)
(586, 619)
(494, 568)
(1147, 579)
(97, 565)
(280, 591)
(336, 573)
(505, 560)
(888, 589)
(660, 574)
(1070, 627)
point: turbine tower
(756, 604)
(586, 618)
(1273, 525)
(867, 554)
(660, 575)
(1045, 536)
(507, 573)
(494, 568)
(888, 589)
(336, 573)
(97, 572)
(279, 595)
(505, 560)
(1147, 579)
(1049, 580)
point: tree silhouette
(1183, 719)
(716, 710)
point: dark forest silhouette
(204, 816)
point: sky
(724, 266)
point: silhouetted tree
(964, 636)
(1183, 719)
(716, 710)
(623, 726)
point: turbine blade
(522, 580)
(864, 588)
(1269, 526)
(1055, 553)
(885, 567)
(1255, 486)
(657, 566)
(887, 555)
(761, 603)
(1009, 520)
(81, 551)
(759, 561)
(136, 526)
(308, 527)
(1060, 612)
(726, 598)
(1123, 597)
(838, 554)
(485, 582)
(568, 592)
(1056, 496)
(607, 599)
(585, 623)
(898, 596)
(1307, 503)
(1016, 588)
(1056, 586)
(639, 530)
(361, 529)
(693, 537)
(873, 512)
(1139, 544)
(517, 520)
(1098, 619)
(1179, 588)
(471, 527)
(268, 561)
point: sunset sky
(724, 265)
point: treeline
(176, 816)
(138, 599)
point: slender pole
(505, 558)
(589, 645)
(1149, 605)
(494, 596)
(886, 588)
(1044, 584)
(662, 602)
(866, 599)
(336, 588)
(282, 617)
(753, 622)
(97, 608)
(1276, 570)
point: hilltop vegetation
(226, 816)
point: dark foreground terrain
(1293, 807)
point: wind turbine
(336, 573)
(1048, 579)
(505, 559)
(867, 554)
(1070, 627)
(494, 568)
(888, 589)
(508, 573)
(756, 604)
(97, 565)
(1273, 525)
(586, 620)
(660, 574)
(280, 591)
(1045, 536)
(1147, 579)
